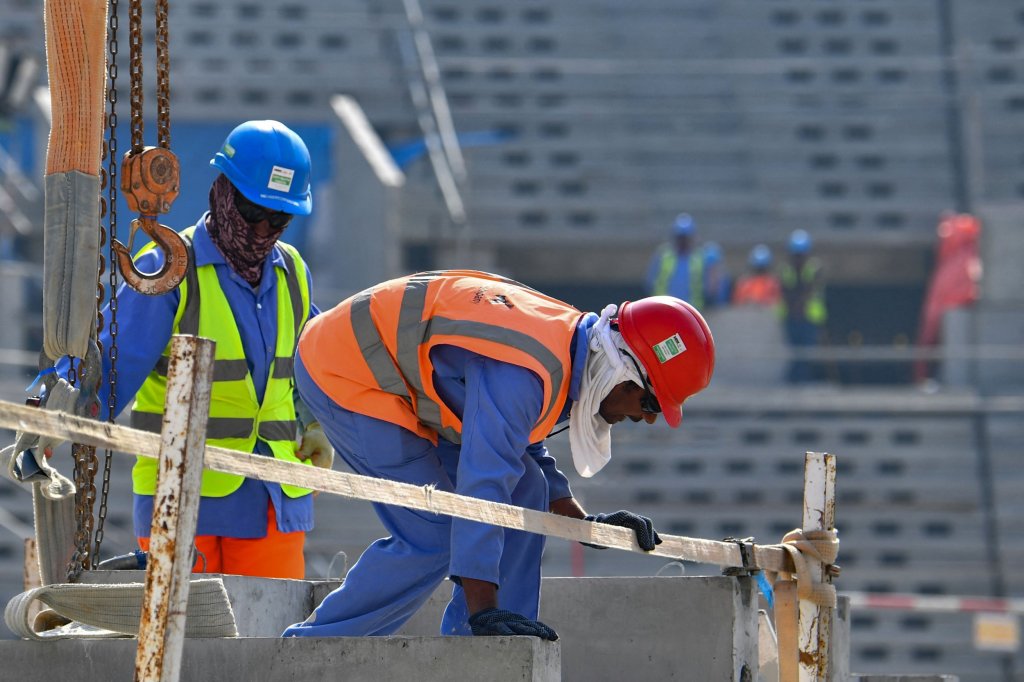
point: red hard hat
(673, 343)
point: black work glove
(499, 622)
(646, 536)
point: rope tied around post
(804, 546)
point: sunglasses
(648, 403)
(254, 213)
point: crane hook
(175, 258)
(149, 182)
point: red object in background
(954, 282)
(762, 289)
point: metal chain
(85, 473)
(135, 71)
(163, 79)
(112, 186)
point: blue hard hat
(760, 256)
(712, 253)
(269, 164)
(799, 242)
(684, 225)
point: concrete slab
(904, 678)
(354, 659)
(839, 661)
(662, 628)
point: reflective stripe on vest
(392, 327)
(236, 418)
(667, 268)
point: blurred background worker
(463, 402)
(250, 292)
(802, 307)
(677, 266)
(717, 283)
(955, 283)
(759, 285)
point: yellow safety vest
(814, 310)
(237, 418)
(669, 261)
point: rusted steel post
(815, 625)
(175, 510)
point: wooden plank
(425, 498)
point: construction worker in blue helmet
(250, 292)
(717, 280)
(758, 286)
(677, 267)
(802, 306)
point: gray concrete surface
(354, 659)
(839, 656)
(615, 629)
(904, 678)
(750, 350)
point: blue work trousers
(396, 575)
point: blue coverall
(499, 403)
(146, 323)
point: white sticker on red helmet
(669, 348)
(281, 179)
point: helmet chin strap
(589, 433)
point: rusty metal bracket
(748, 568)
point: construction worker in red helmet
(453, 379)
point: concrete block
(1002, 250)
(839, 654)
(363, 205)
(750, 347)
(642, 628)
(904, 678)
(998, 327)
(354, 659)
(767, 649)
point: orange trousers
(278, 555)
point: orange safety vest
(371, 353)
(757, 289)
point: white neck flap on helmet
(589, 434)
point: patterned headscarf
(243, 249)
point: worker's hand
(499, 622)
(315, 447)
(646, 536)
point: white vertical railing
(175, 510)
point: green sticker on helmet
(229, 151)
(281, 179)
(669, 348)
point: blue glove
(646, 536)
(499, 622)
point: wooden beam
(424, 498)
